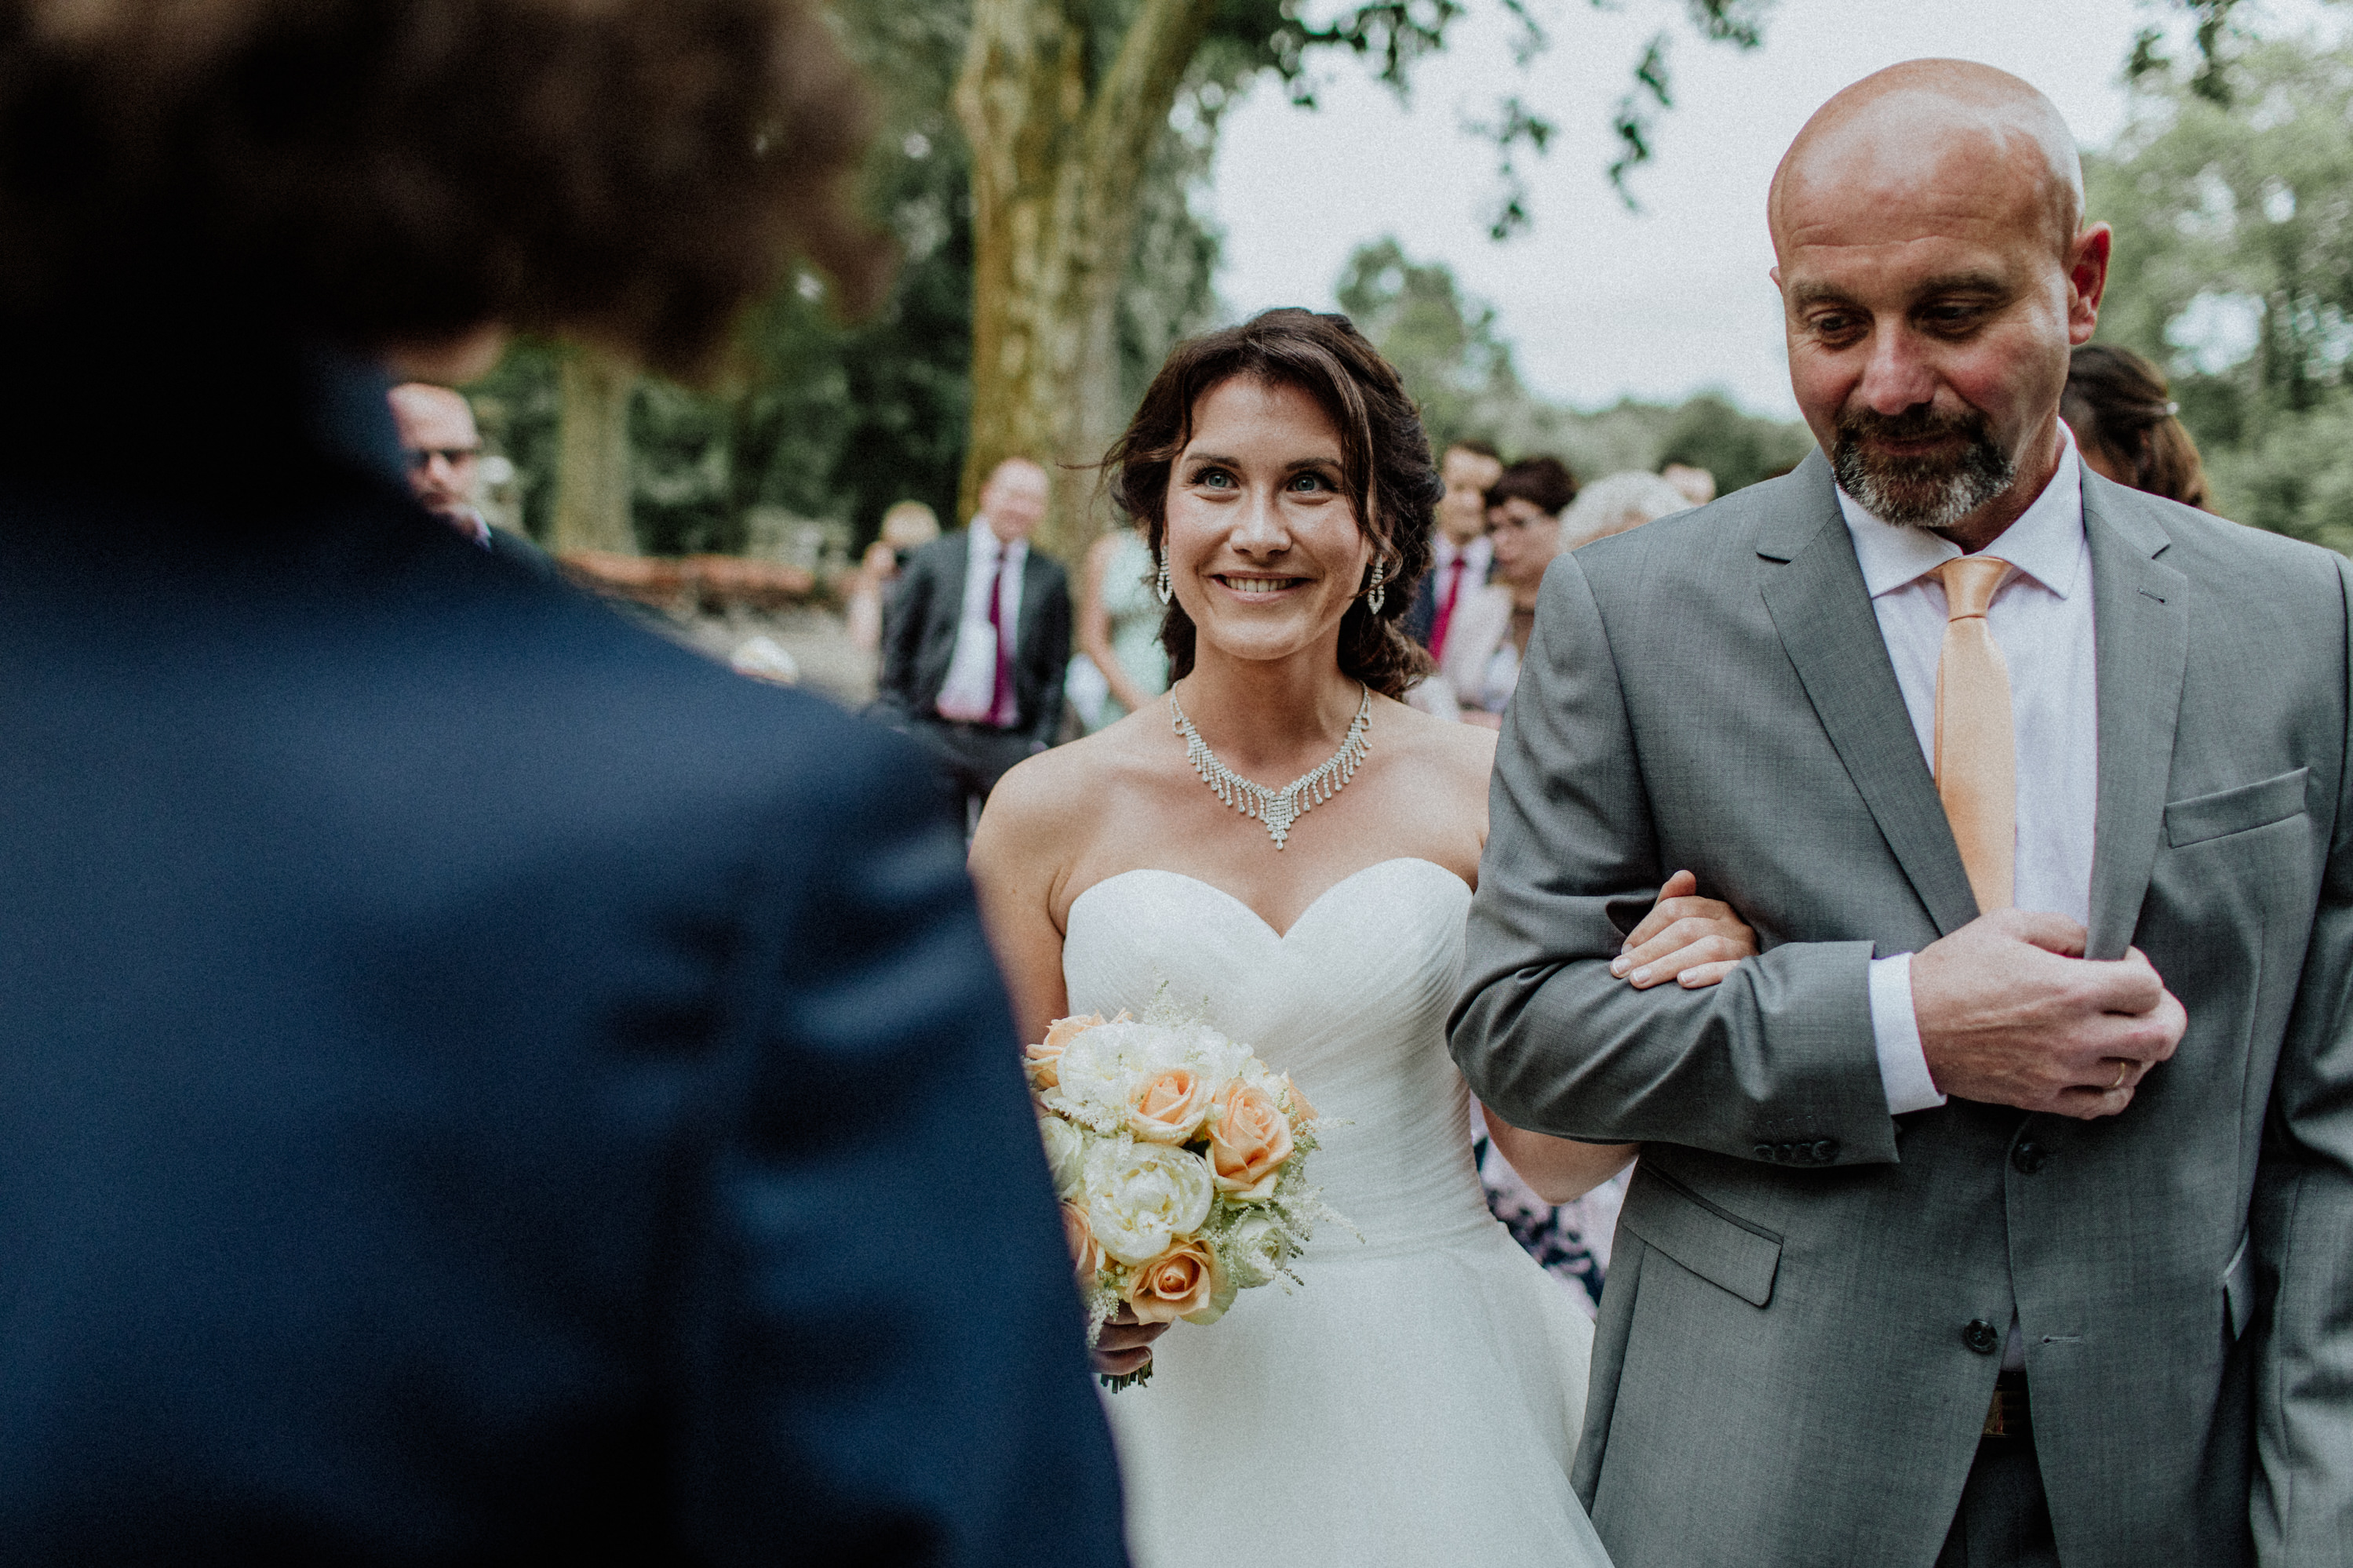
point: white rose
(1066, 1152)
(1252, 1251)
(1142, 1196)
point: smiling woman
(1373, 456)
(1417, 1403)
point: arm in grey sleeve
(1781, 1054)
(2303, 1238)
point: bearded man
(2002, 1211)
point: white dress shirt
(969, 693)
(2042, 619)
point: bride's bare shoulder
(1038, 804)
(1456, 749)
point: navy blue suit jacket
(479, 1084)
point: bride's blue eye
(1310, 482)
(1215, 478)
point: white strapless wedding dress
(1418, 1401)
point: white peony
(1066, 1152)
(1094, 1076)
(1142, 1196)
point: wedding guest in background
(1694, 480)
(466, 1060)
(977, 638)
(1461, 554)
(444, 449)
(2122, 413)
(907, 527)
(1491, 625)
(1617, 502)
(1119, 630)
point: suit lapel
(1823, 610)
(2141, 625)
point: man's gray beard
(1916, 492)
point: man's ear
(2087, 280)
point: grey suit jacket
(1785, 1370)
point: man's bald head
(1934, 273)
(1015, 498)
(1901, 131)
(437, 431)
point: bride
(1418, 1401)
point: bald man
(976, 638)
(2002, 1211)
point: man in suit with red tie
(1460, 556)
(977, 638)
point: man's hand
(1125, 1345)
(2010, 1012)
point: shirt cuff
(1896, 1032)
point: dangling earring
(1164, 590)
(1375, 596)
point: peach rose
(1086, 1255)
(1181, 1281)
(1040, 1060)
(1167, 1107)
(1248, 1143)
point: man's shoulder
(2221, 556)
(948, 550)
(1702, 544)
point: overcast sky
(1600, 302)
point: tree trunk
(1058, 165)
(592, 455)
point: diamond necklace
(1278, 808)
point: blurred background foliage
(1461, 372)
(2231, 190)
(2231, 194)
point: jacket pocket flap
(2259, 804)
(1720, 1249)
(2238, 1289)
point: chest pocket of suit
(2239, 810)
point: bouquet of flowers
(1180, 1160)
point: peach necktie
(1976, 750)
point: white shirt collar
(2045, 544)
(984, 546)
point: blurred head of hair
(910, 525)
(1617, 502)
(1392, 486)
(2124, 418)
(204, 195)
(1544, 482)
(1696, 479)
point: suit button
(1981, 1337)
(1765, 1150)
(1825, 1151)
(2029, 1158)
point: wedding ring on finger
(2123, 1066)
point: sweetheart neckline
(1312, 904)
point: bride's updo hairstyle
(1391, 485)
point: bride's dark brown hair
(1386, 471)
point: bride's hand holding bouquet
(1180, 1160)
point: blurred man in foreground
(468, 1067)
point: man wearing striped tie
(2001, 1212)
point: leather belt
(2008, 1416)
